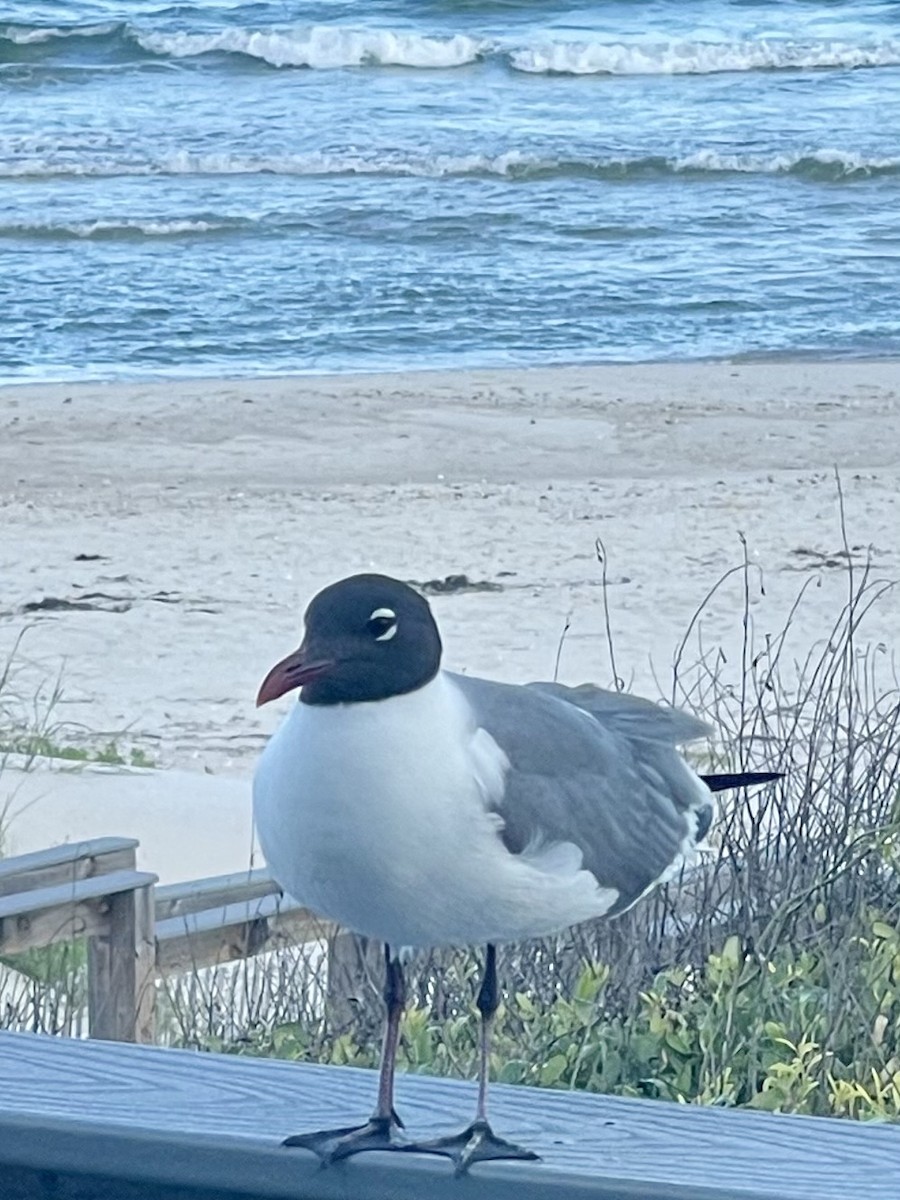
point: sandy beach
(160, 540)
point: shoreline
(207, 374)
(170, 534)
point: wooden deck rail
(89, 890)
(105, 1121)
(136, 932)
(211, 921)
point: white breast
(377, 816)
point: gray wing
(632, 716)
(599, 769)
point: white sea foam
(512, 164)
(33, 35)
(320, 46)
(835, 163)
(89, 229)
(153, 228)
(698, 58)
(352, 163)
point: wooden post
(355, 968)
(121, 970)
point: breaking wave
(699, 58)
(321, 47)
(825, 165)
(325, 47)
(117, 229)
(38, 35)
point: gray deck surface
(107, 1121)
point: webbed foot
(476, 1143)
(332, 1145)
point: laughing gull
(424, 808)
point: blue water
(220, 187)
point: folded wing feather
(599, 770)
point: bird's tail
(721, 783)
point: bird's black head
(367, 637)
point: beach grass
(32, 730)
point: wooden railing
(136, 932)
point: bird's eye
(383, 624)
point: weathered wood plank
(66, 864)
(220, 935)
(122, 969)
(101, 1121)
(66, 911)
(179, 899)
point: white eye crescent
(383, 622)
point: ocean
(228, 188)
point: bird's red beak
(292, 672)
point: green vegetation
(39, 745)
(45, 991)
(30, 729)
(740, 1030)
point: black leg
(487, 1001)
(331, 1145)
(478, 1142)
(394, 1004)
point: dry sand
(192, 520)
